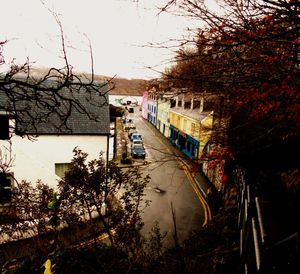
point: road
(169, 187)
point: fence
(260, 251)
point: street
(169, 187)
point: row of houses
(181, 117)
(186, 119)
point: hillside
(128, 87)
(122, 86)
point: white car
(137, 142)
(135, 136)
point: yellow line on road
(193, 183)
(207, 212)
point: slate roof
(83, 111)
(191, 113)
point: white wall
(36, 160)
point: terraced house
(190, 124)
(164, 103)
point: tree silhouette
(248, 54)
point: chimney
(201, 104)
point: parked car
(126, 120)
(137, 142)
(138, 151)
(131, 110)
(131, 131)
(135, 136)
(129, 126)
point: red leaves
(220, 153)
(268, 18)
(212, 30)
(271, 59)
(278, 101)
(250, 34)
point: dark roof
(79, 110)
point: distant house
(145, 104)
(47, 153)
(164, 103)
(152, 106)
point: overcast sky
(117, 29)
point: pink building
(145, 104)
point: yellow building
(164, 103)
(190, 125)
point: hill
(128, 86)
(123, 86)
(120, 86)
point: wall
(35, 159)
(199, 130)
(163, 108)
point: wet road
(169, 187)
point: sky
(118, 30)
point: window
(196, 104)
(173, 103)
(188, 147)
(187, 104)
(61, 169)
(5, 188)
(4, 127)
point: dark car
(138, 151)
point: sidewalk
(121, 140)
(122, 145)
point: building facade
(164, 103)
(152, 106)
(190, 126)
(45, 150)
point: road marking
(192, 180)
(195, 185)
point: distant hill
(122, 86)
(128, 87)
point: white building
(43, 151)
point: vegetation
(247, 54)
(91, 201)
